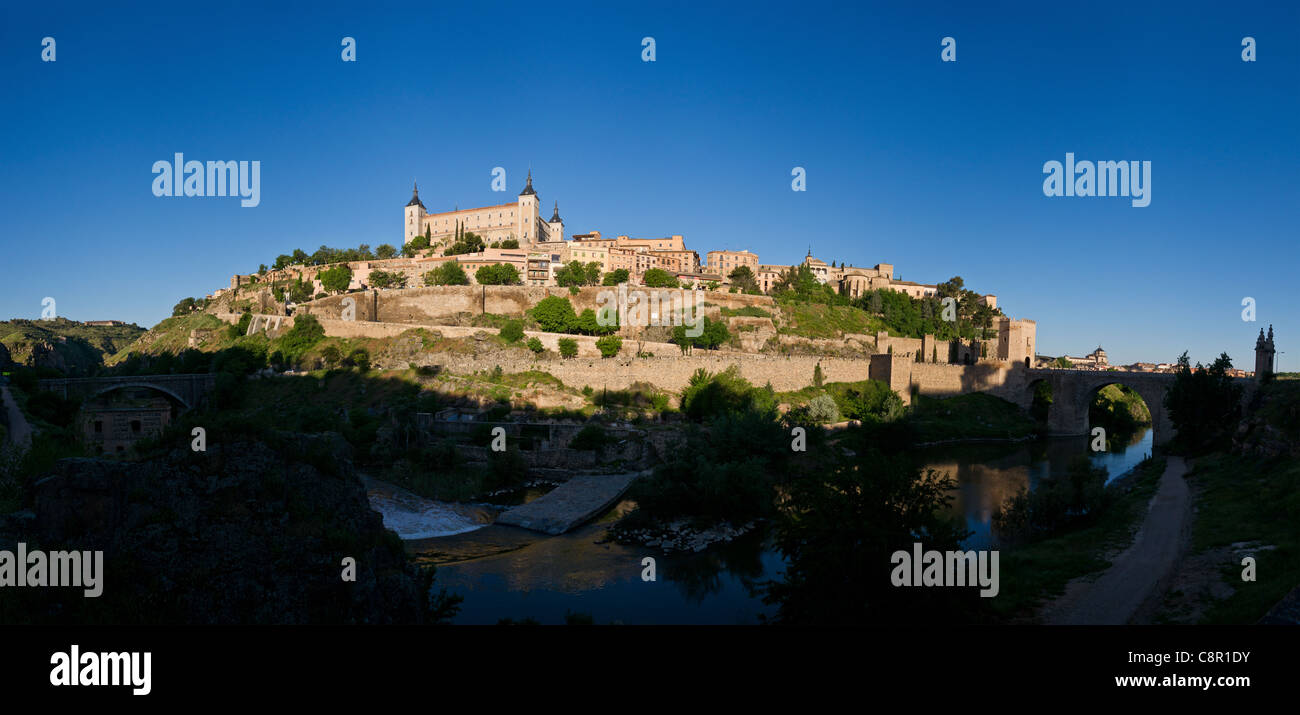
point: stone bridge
(189, 390)
(1074, 390)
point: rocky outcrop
(1271, 428)
(247, 532)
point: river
(505, 572)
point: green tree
(572, 274)
(336, 278)
(616, 276)
(840, 530)
(384, 279)
(536, 346)
(299, 290)
(658, 278)
(497, 274)
(385, 251)
(554, 314)
(568, 347)
(413, 247)
(818, 375)
(185, 307)
(743, 278)
(1204, 406)
(448, 274)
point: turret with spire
(555, 215)
(415, 197)
(528, 190)
(1265, 350)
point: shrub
(591, 437)
(448, 274)
(305, 333)
(360, 358)
(1055, 504)
(536, 346)
(240, 328)
(710, 395)
(609, 345)
(823, 409)
(512, 331)
(568, 347)
(554, 314)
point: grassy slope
(172, 335)
(85, 347)
(814, 320)
(972, 416)
(1245, 499)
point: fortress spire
(528, 190)
(555, 216)
(415, 197)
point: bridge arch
(1074, 390)
(105, 389)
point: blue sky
(934, 167)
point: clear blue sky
(934, 167)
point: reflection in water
(546, 579)
(505, 572)
(989, 474)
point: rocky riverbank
(246, 532)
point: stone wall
(438, 304)
(905, 376)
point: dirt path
(1142, 570)
(19, 431)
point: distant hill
(75, 348)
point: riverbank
(1238, 518)
(1036, 573)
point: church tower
(1264, 352)
(530, 216)
(556, 225)
(414, 216)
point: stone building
(112, 422)
(724, 262)
(521, 220)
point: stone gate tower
(1264, 352)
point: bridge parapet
(190, 389)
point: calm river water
(507, 573)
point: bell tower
(529, 214)
(414, 216)
(1264, 352)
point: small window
(135, 426)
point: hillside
(67, 345)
